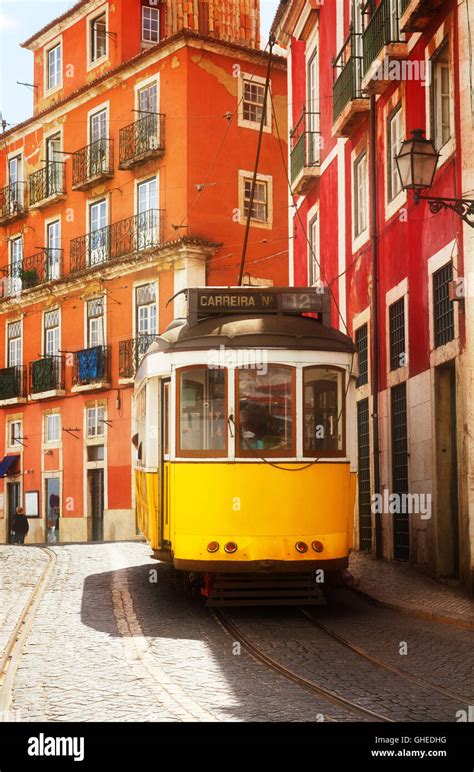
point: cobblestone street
(108, 644)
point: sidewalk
(399, 586)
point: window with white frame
(148, 98)
(14, 350)
(98, 37)
(441, 128)
(15, 179)
(95, 422)
(394, 141)
(150, 24)
(54, 67)
(145, 298)
(253, 98)
(314, 269)
(14, 432)
(260, 200)
(51, 333)
(16, 258)
(360, 194)
(95, 322)
(52, 427)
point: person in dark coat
(21, 526)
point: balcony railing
(13, 382)
(47, 184)
(31, 272)
(347, 74)
(141, 140)
(126, 237)
(92, 163)
(382, 29)
(12, 201)
(91, 365)
(46, 374)
(305, 143)
(130, 353)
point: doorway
(164, 524)
(52, 509)
(447, 516)
(13, 494)
(95, 491)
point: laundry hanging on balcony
(91, 363)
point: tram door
(164, 462)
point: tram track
(257, 653)
(11, 656)
(382, 664)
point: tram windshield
(202, 411)
(323, 400)
(265, 411)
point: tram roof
(247, 331)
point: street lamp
(416, 163)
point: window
(14, 352)
(253, 99)
(98, 246)
(54, 165)
(441, 129)
(54, 67)
(361, 341)
(95, 419)
(312, 117)
(394, 141)
(52, 427)
(147, 235)
(443, 307)
(150, 25)
(98, 125)
(260, 205)
(397, 334)
(323, 411)
(53, 240)
(95, 323)
(148, 98)
(16, 264)
(266, 412)
(14, 433)
(51, 333)
(145, 298)
(314, 268)
(202, 412)
(15, 179)
(95, 453)
(360, 194)
(98, 37)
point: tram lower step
(265, 590)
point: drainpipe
(375, 319)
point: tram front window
(266, 411)
(323, 411)
(202, 411)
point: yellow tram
(245, 454)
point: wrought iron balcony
(416, 15)
(93, 163)
(12, 201)
(382, 34)
(91, 365)
(305, 151)
(349, 104)
(124, 238)
(47, 184)
(31, 272)
(141, 140)
(13, 383)
(130, 353)
(46, 374)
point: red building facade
(129, 183)
(361, 77)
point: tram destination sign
(215, 301)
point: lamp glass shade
(416, 162)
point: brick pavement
(18, 578)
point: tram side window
(265, 417)
(202, 411)
(323, 411)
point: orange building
(130, 182)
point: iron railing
(47, 183)
(126, 237)
(347, 68)
(13, 382)
(91, 365)
(92, 162)
(46, 374)
(382, 28)
(30, 272)
(12, 200)
(141, 139)
(130, 353)
(305, 143)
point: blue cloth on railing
(91, 363)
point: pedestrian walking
(21, 526)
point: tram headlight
(230, 547)
(213, 546)
(300, 546)
(317, 546)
